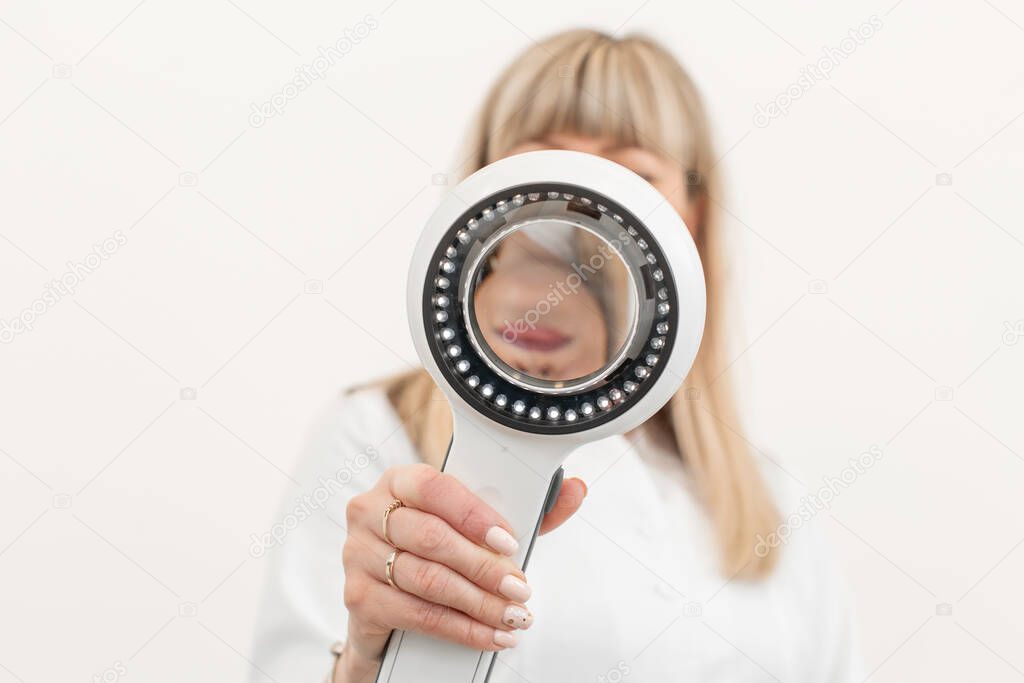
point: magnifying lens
(556, 298)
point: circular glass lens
(552, 304)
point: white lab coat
(628, 589)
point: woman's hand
(456, 580)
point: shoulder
(357, 435)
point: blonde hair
(633, 91)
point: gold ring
(392, 506)
(389, 567)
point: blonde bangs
(587, 83)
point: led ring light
(512, 430)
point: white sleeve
(839, 657)
(302, 610)
(826, 643)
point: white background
(125, 511)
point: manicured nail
(514, 588)
(501, 540)
(517, 617)
(504, 639)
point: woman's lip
(540, 339)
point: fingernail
(514, 588)
(501, 540)
(504, 639)
(517, 617)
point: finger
(362, 549)
(408, 612)
(424, 488)
(431, 538)
(441, 585)
(570, 498)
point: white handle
(512, 474)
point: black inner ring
(614, 378)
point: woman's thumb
(570, 497)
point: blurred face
(536, 317)
(532, 313)
(665, 174)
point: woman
(664, 574)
